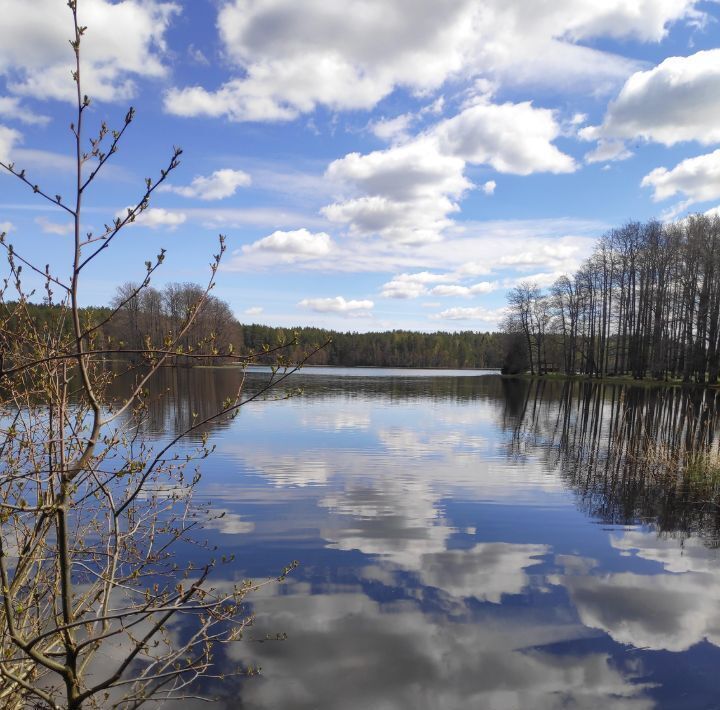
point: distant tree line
(140, 318)
(645, 303)
(395, 348)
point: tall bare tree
(646, 303)
(95, 610)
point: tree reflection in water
(632, 454)
(444, 561)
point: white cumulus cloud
(450, 290)
(338, 305)
(408, 191)
(512, 138)
(393, 129)
(410, 285)
(292, 245)
(483, 287)
(290, 57)
(478, 249)
(11, 107)
(697, 178)
(607, 151)
(9, 137)
(678, 100)
(478, 313)
(49, 227)
(402, 289)
(124, 40)
(293, 56)
(403, 173)
(458, 290)
(155, 217)
(221, 184)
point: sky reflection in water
(460, 546)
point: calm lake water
(465, 541)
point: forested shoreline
(646, 303)
(135, 321)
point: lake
(465, 541)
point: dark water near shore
(465, 541)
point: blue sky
(374, 164)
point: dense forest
(139, 319)
(395, 348)
(645, 303)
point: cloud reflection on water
(660, 611)
(347, 650)
(446, 564)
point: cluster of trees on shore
(645, 303)
(139, 318)
(148, 316)
(394, 348)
